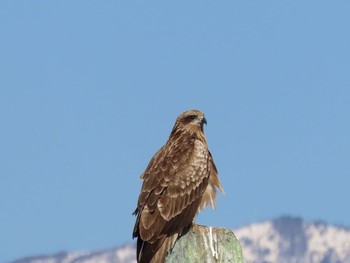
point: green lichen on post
(206, 244)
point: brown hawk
(179, 181)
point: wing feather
(172, 184)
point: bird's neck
(183, 134)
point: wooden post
(202, 244)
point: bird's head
(190, 121)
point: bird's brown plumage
(179, 181)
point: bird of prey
(179, 181)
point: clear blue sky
(89, 91)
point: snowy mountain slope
(291, 240)
(283, 240)
(125, 254)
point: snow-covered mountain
(283, 240)
(124, 254)
(292, 240)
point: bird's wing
(174, 183)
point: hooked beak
(204, 120)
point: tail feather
(156, 252)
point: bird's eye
(191, 117)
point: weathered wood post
(202, 244)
